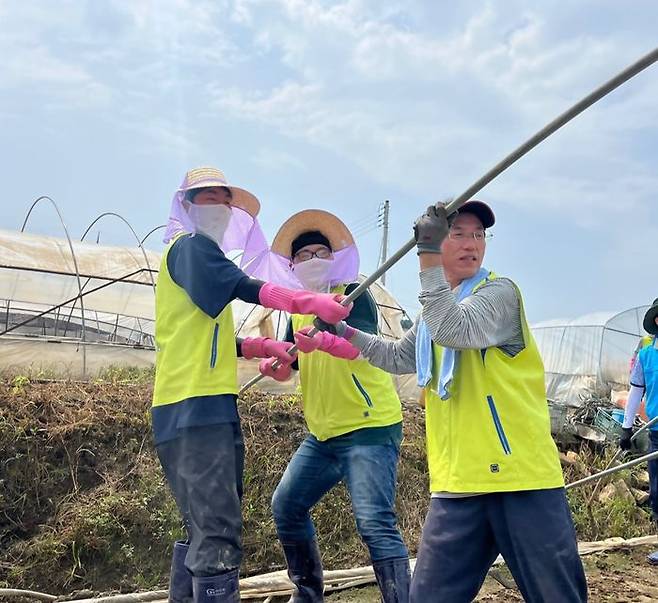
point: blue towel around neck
(450, 357)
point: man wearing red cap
(495, 476)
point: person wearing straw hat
(352, 412)
(495, 475)
(196, 427)
(644, 383)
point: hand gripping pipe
(622, 77)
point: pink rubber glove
(326, 342)
(281, 373)
(264, 347)
(325, 305)
(305, 343)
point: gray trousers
(204, 468)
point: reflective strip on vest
(195, 354)
(493, 434)
(340, 396)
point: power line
(369, 214)
(368, 219)
(374, 222)
(362, 219)
(371, 223)
(364, 231)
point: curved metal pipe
(152, 231)
(132, 230)
(75, 259)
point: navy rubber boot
(304, 570)
(223, 588)
(180, 578)
(652, 558)
(393, 577)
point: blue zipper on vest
(499, 426)
(213, 350)
(364, 393)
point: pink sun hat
(243, 232)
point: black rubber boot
(180, 578)
(223, 588)
(304, 571)
(393, 577)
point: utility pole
(384, 256)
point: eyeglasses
(478, 235)
(305, 254)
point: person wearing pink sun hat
(196, 427)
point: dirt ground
(84, 505)
(620, 576)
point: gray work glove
(432, 228)
(340, 328)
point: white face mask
(211, 220)
(313, 274)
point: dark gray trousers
(204, 468)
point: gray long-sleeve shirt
(490, 317)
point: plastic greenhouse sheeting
(590, 354)
(38, 273)
(112, 326)
(37, 269)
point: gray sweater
(490, 317)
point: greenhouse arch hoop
(132, 230)
(75, 259)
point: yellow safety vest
(195, 354)
(341, 396)
(493, 434)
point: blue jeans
(532, 530)
(370, 474)
(653, 475)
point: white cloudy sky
(105, 103)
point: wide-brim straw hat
(330, 226)
(208, 176)
(649, 322)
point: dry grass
(84, 504)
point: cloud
(430, 107)
(409, 101)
